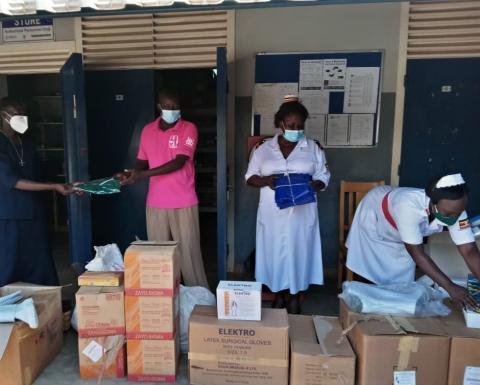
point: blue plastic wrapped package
(294, 190)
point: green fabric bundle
(100, 186)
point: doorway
(119, 105)
(440, 129)
(44, 102)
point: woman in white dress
(385, 242)
(288, 246)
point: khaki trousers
(181, 225)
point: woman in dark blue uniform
(24, 241)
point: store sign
(34, 29)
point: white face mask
(170, 116)
(19, 123)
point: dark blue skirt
(25, 254)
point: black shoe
(279, 301)
(293, 306)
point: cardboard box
(25, 352)
(238, 352)
(100, 311)
(151, 318)
(387, 346)
(464, 366)
(107, 278)
(153, 360)
(319, 352)
(472, 318)
(152, 268)
(237, 300)
(102, 356)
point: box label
(239, 304)
(405, 377)
(94, 351)
(472, 375)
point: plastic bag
(107, 258)
(294, 190)
(189, 297)
(74, 319)
(408, 300)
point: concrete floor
(320, 300)
(64, 369)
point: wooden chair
(351, 193)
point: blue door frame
(222, 89)
(76, 160)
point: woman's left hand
(318, 185)
(63, 188)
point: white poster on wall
(316, 102)
(334, 72)
(361, 90)
(315, 127)
(267, 99)
(361, 129)
(311, 75)
(337, 130)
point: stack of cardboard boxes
(152, 277)
(101, 325)
(431, 351)
(239, 343)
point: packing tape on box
(405, 324)
(112, 347)
(278, 363)
(355, 323)
(395, 325)
(406, 346)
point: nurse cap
(290, 98)
(450, 181)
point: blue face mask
(170, 116)
(294, 135)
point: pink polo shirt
(177, 189)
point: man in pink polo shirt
(167, 149)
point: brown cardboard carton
(100, 311)
(238, 352)
(153, 360)
(101, 278)
(152, 268)
(151, 318)
(319, 352)
(464, 366)
(103, 356)
(387, 346)
(25, 352)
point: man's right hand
(128, 177)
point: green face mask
(448, 221)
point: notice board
(341, 90)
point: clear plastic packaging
(189, 297)
(408, 300)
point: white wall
(316, 28)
